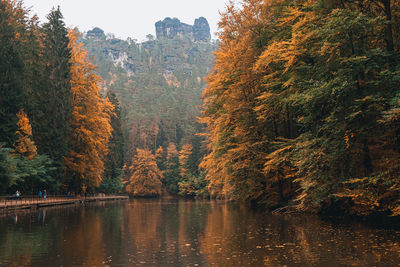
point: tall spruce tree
(115, 159)
(12, 70)
(54, 108)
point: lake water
(145, 232)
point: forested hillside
(159, 83)
(302, 107)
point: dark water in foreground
(187, 233)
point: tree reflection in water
(148, 232)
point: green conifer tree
(54, 106)
(115, 159)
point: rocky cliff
(169, 28)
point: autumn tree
(237, 142)
(24, 144)
(90, 122)
(145, 179)
(32, 171)
(345, 48)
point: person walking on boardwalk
(40, 194)
(44, 194)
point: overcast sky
(129, 18)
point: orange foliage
(91, 129)
(145, 179)
(24, 145)
(232, 134)
(159, 152)
(184, 155)
(172, 152)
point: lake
(148, 232)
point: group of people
(17, 194)
(41, 194)
(44, 194)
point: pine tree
(172, 171)
(14, 31)
(51, 125)
(115, 158)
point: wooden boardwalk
(34, 203)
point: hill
(159, 83)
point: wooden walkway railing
(26, 202)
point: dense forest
(302, 107)
(299, 110)
(58, 133)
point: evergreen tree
(115, 159)
(172, 171)
(8, 169)
(53, 109)
(13, 42)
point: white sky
(128, 18)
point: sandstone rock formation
(169, 28)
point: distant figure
(40, 194)
(44, 194)
(17, 194)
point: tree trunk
(389, 29)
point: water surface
(144, 232)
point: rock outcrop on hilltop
(96, 33)
(201, 30)
(169, 28)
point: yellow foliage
(159, 152)
(184, 155)
(91, 129)
(24, 145)
(145, 179)
(172, 152)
